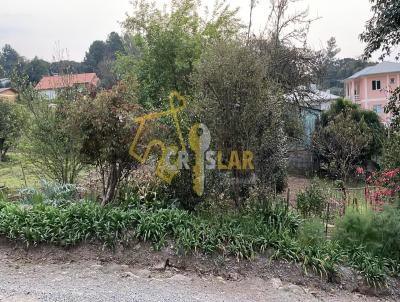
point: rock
(295, 289)
(161, 265)
(180, 278)
(347, 278)
(234, 277)
(127, 275)
(276, 283)
(143, 273)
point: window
(376, 85)
(392, 80)
(378, 108)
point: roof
(5, 89)
(54, 82)
(312, 95)
(384, 67)
(321, 95)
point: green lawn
(12, 173)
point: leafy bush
(378, 232)
(312, 232)
(50, 193)
(242, 235)
(391, 151)
(312, 201)
(12, 122)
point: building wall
(49, 94)
(370, 99)
(9, 95)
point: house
(49, 86)
(312, 103)
(5, 83)
(371, 87)
(9, 94)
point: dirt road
(91, 281)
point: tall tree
(382, 31)
(36, 69)
(105, 124)
(10, 60)
(243, 111)
(170, 44)
(95, 55)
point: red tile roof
(54, 82)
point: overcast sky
(40, 27)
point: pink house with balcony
(370, 87)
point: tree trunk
(112, 182)
(2, 152)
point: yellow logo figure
(163, 171)
(199, 141)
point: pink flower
(359, 170)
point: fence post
(327, 220)
(287, 199)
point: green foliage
(10, 61)
(391, 151)
(36, 69)
(50, 145)
(105, 125)
(240, 236)
(311, 201)
(12, 123)
(312, 232)
(393, 107)
(374, 268)
(382, 30)
(357, 114)
(341, 142)
(168, 44)
(49, 193)
(378, 232)
(100, 58)
(230, 86)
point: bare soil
(167, 264)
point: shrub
(12, 123)
(50, 193)
(378, 232)
(312, 201)
(312, 232)
(391, 151)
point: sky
(51, 29)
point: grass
(12, 173)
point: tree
(36, 69)
(340, 144)
(95, 55)
(101, 59)
(370, 118)
(243, 111)
(382, 30)
(50, 144)
(10, 60)
(106, 126)
(170, 43)
(391, 151)
(66, 67)
(12, 123)
(114, 45)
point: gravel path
(90, 281)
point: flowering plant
(383, 187)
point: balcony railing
(357, 97)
